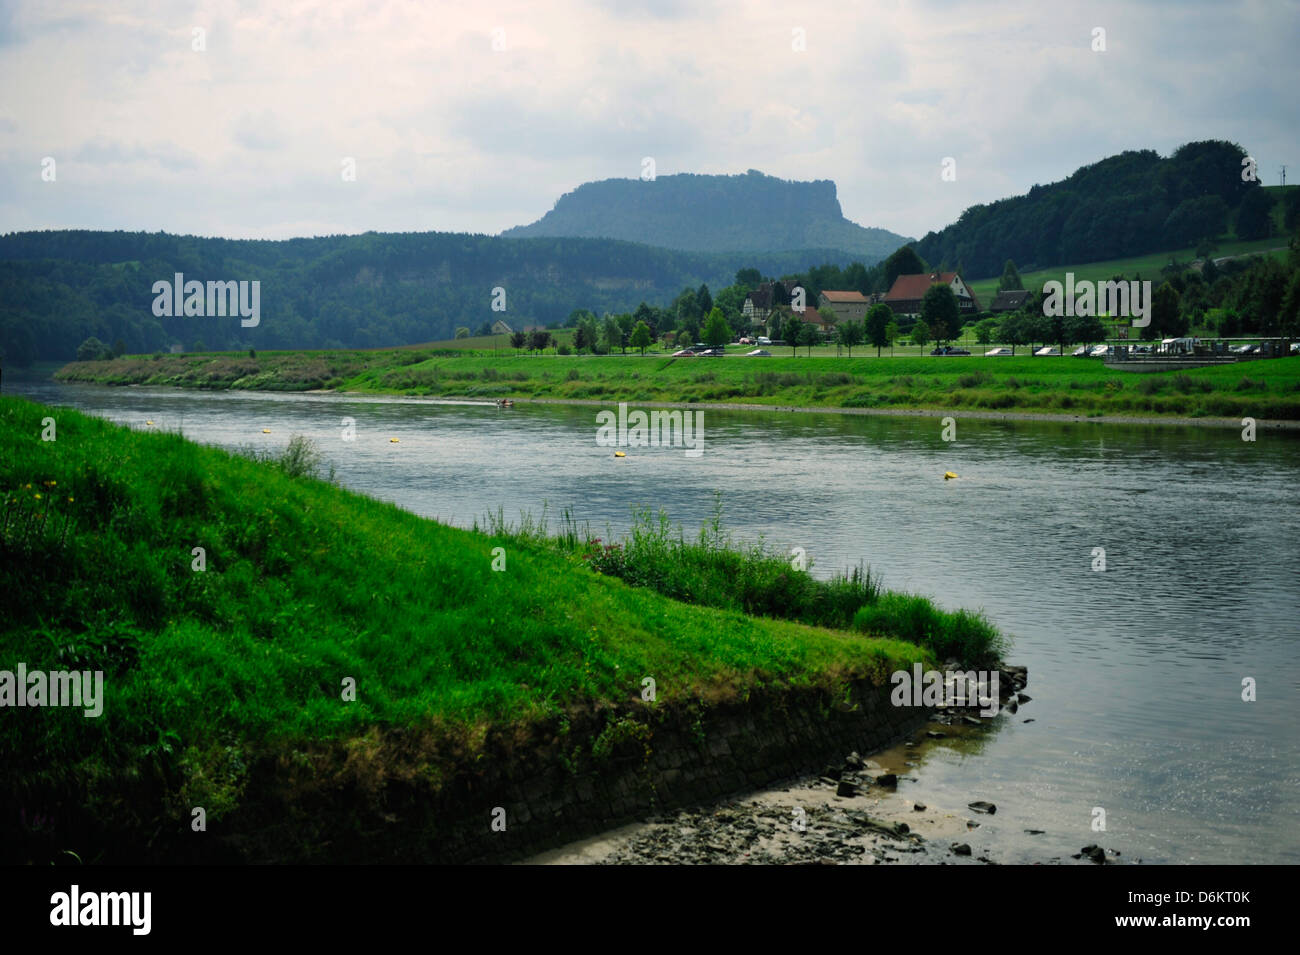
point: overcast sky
(247, 137)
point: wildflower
(38, 497)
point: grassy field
(305, 585)
(1268, 389)
(1148, 266)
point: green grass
(1148, 266)
(714, 570)
(306, 584)
(1061, 385)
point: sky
(239, 119)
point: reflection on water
(1135, 672)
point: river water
(1135, 672)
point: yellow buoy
(149, 423)
(620, 454)
(266, 431)
(393, 441)
(949, 475)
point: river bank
(858, 810)
(277, 658)
(1268, 425)
(1064, 388)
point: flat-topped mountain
(750, 212)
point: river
(1135, 671)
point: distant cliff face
(750, 212)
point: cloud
(247, 136)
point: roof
(843, 297)
(1009, 300)
(915, 286)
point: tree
(462, 332)
(1084, 329)
(704, 300)
(1010, 281)
(1255, 215)
(749, 278)
(891, 333)
(685, 339)
(940, 311)
(585, 335)
(1012, 331)
(905, 261)
(641, 337)
(1167, 320)
(921, 333)
(716, 330)
(518, 339)
(793, 332)
(849, 334)
(1196, 219)
(808, 335)
(879, 317)
(484, 330)
(1038, 328)
(644, 313)
(611, 334)
(1291, 209)
(984, 330)
(539, 339)
(92, 349)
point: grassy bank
(209, 673)
(1261, 389)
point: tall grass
(713, 569)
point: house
(809, 316)
(1009, 301)
(499, 327)
(759, 303)
(847, 306)
(908, 290)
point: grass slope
(307, 584)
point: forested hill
(750, 212)
(1131, 204)
(58, 288)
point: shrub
(964, 635)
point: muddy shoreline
(857, 811)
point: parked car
(1081, 352)
(763, 341)
(745, 341)
(712, 353)
(996, 352)
(759, 353)
(949, 350)
(684, 353)
(1100, 351)
(1047, 350)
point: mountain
(58, 288)
(1131, 204)
(744, 213)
